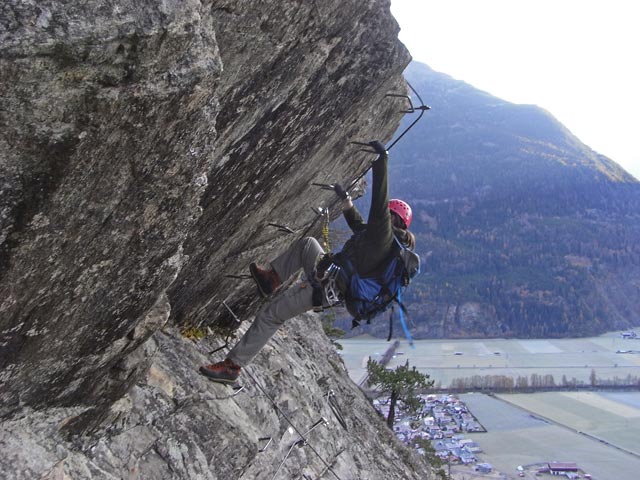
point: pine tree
(402, 384)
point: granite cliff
(144, 149)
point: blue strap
(403, 322)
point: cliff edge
(144, 150)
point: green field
(610, 417)
(445, 360)
(599, 431)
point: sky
(577, 59)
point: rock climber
(370, 248)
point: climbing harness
(324, 287)
(331, 290)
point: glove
(379, 147)
(341, 192)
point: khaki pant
(297, 299)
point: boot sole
(226, 381)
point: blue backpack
(369, 296)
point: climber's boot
(267, 280)
(222, 372)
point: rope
(325, 234)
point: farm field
(521, 437)
(600, 431)
(611, 417)
(446, 359)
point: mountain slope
(531, 232)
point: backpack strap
(398, 242)
(403, 322)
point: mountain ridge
(531, 232)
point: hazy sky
(577, 59)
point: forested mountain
(531, 232)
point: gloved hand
(379, 147)
(341, 192)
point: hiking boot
(268, 281)
(222, 372)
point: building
(562, 468)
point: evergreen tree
(402, 384)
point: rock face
(144, 149)
(108, 134)
(175, 424)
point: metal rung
(281, 228)
(335, 459)
(268, 440)
(226, 340)
(237, 389)
(301, 442)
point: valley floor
(597, 430)
(606, 444)
(576, 359)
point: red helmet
(402, 209)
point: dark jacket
(375, 244)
